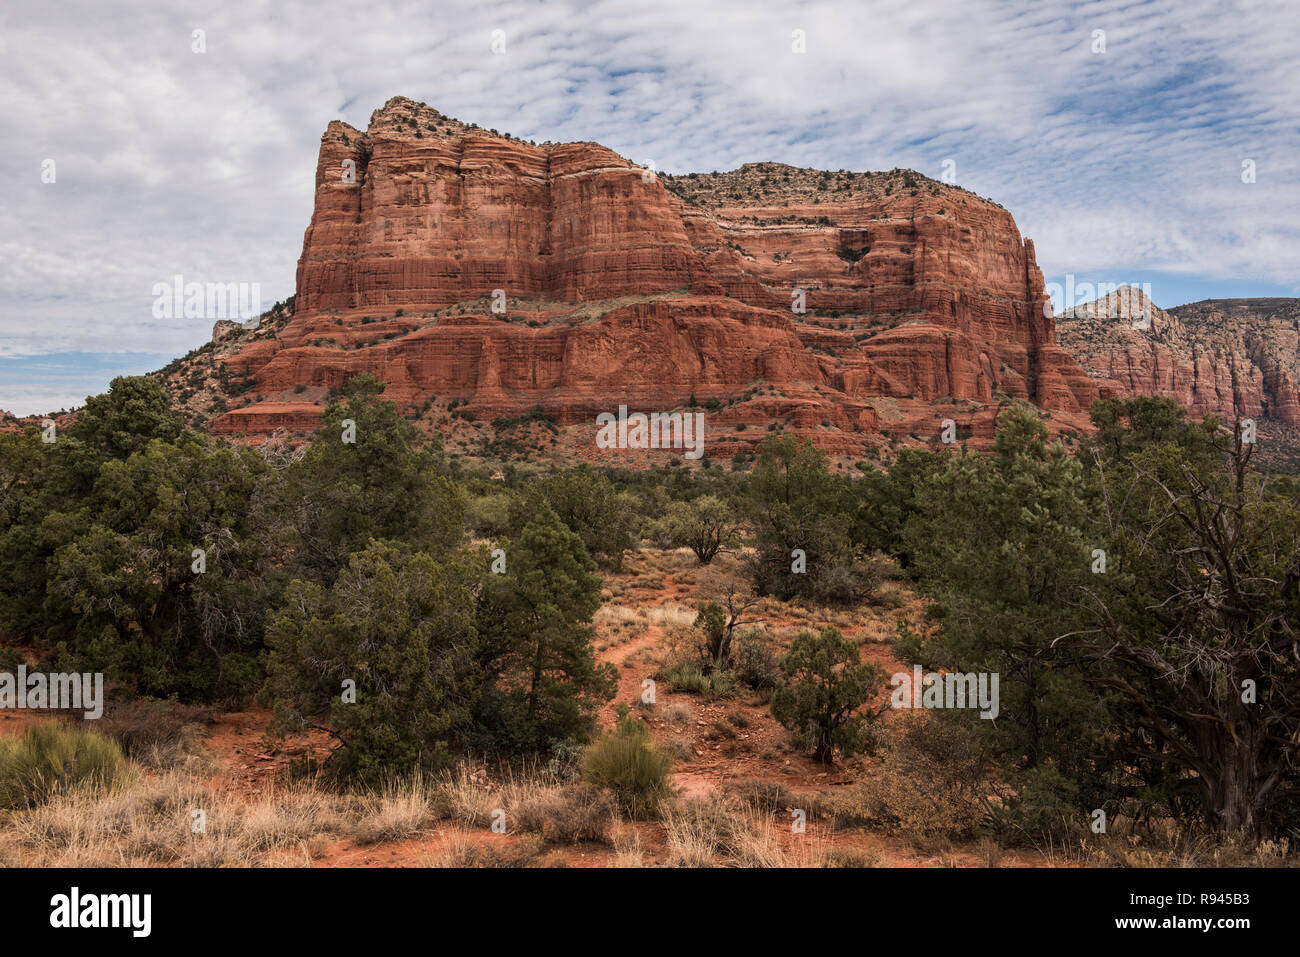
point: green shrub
(627, 762)
(908, 644)
(707, 525)
(826, 686)
(687, 677)
(721, 685)
(50, 759)
(691, 679)
(712, 621)
(489, 515)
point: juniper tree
(825, 692)
(886, 498)
(157, 579)
(385, 660)
(796, 505)
(368, 474)
(589, 504)
(1196, 623)
(56, 478)
(1000, 545)
(100, 562)
(536, 623)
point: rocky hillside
(1226, 357)
(486, 279)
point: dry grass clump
(619, 623)
(494, 851)
(929, 785)
(286, 819)
(680, 563)
(651, 581)
(990, 852)
(680, 748)
(400, 811)
(774, 798)
(564, 814)
(876, 630)
(1165, 845)
(540, 802)
(1275, 853)
(709, 832)
(671, 614)
(88, 829)
(153, 822)
(836, 857)
(678, 713)
(846, 619)
(766, 797)
(892, 597)
(465, 797)
(627, 846)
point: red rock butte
(920, 300)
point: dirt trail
(247, 762)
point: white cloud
(202, 164)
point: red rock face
(915, 301)
(1228, 358)
(447, 217)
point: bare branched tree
(734, 598)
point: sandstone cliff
(473, 270)
(1229, 358)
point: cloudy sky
(1122, 153)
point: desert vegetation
(367, 651)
